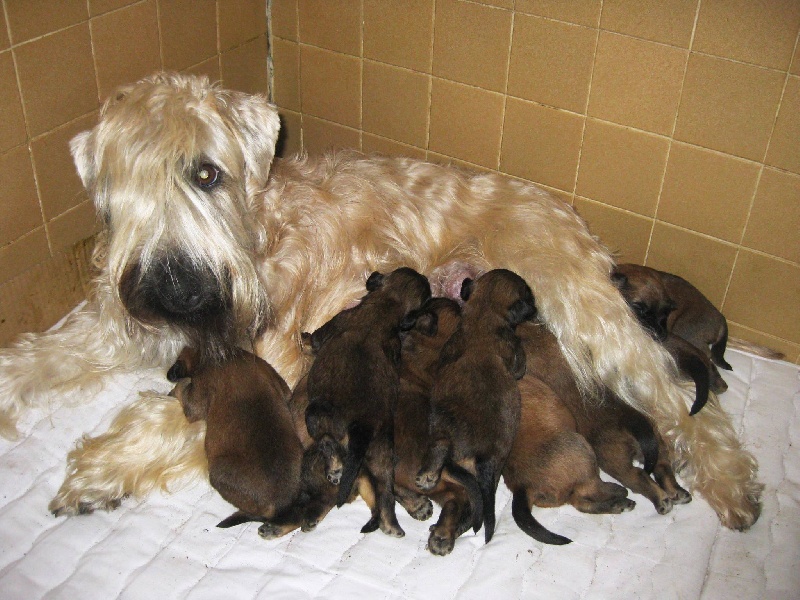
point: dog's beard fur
(287, 255)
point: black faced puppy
(254, 455)
(352, 388)
(457, 491)
(692, 316)
(475, 402)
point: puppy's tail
(528, 523)
(237, 518)
(459, 475)
(642, 430)
(487, 481)
(694, 367)
(357, 446)
(718, 351)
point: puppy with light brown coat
(254, 455)
(475, 398)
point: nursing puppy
(475, 402)
(457, 490)
(618, 433)
(689, 314)
(352, 388)
(254, 455)
(550, 464)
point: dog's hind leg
(149, 445)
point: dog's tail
(238, 518)
(359, 439)
(718, 351)
(459, 475)
(693, 366)
(528, 523)
(487, 481)
(642, 430)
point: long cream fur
(298, 243)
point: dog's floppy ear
(82, 148)
(375, 281)
(426, 322)
(256, 123)
(466, 288)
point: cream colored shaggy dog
(206, 241)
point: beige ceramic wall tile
(58, 181)
(4, 41)
(22, 254)
(449, 161)
(497, 3)
(774, 224)
(319, 136)
(667, 21)
(636, 83)
(703, 261)
(465, 122)
(580, 12)
(624, 233)
(188, 32)
(622, 167)
(54, 96)
(98, 7)
(284, 19)
(330, 85)
(762, 33)
(331, 24)
(125, 45)
(209, 68)
(789, 349)
(374, 143)
(551, 62)
(541, 144)
(290, 139)
(795, 68)
(245, 68)
(707, 191)
(728, 106)
(19, 211)
(764, 295)
(12, 123)
(471, 44)
(784, 146)
(28, 20)
(71, 227)
(395, 103)
(286, 74)
(240, 21)
(399, 32)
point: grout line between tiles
(505, 93)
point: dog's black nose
(183, 289)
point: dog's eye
(208, 176)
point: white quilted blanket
(167, 546)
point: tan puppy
(475, 399)
(550, 464)
(618, 433)
(254, 455)
(352, 388)
(689, 314)
(457, 491)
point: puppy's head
(427, 329)
(404, 285)
(643, 290)
(503, 292)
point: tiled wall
(673, 126)
(58, 60)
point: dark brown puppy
(254, 455)
(618, 433)
(353, 384)
(475, 398)
(550, 464)
(692, 317)
(457, 490)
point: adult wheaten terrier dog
(207, 243)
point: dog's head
(409, 289)
(174, 165)
(503, 292)
(645, 293)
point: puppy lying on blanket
(617, 432)
(254, 455)
(475, 398)
(352, 388)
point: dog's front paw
(440, 545)
(66, 507)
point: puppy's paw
(334, 475)
(440, 545)
(681, 496)
(663, 506)
(426, 480)
(270, 531)
(623, 505)
(423, 511)
(392, 529)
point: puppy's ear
(426, 322)
(375, 281)
(466, 288)
(620, 280)
(522, 310)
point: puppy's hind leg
(380, 463)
